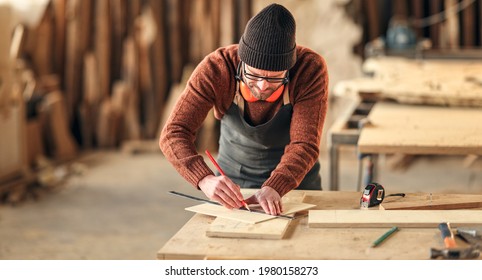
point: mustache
(269, 89)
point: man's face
(263, 83)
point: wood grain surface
(400, 218)
(432, 202)
(271, 229)
(416, 129)
(246, 216)
(409, 81)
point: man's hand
(269, 199)
(222, 190)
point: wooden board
(12, 159)
(60, 140)
(245, 216)
(332, 200)
(276, 228)
(401, 218)
(408, 81)
(432, 202)
(271, 229)
(413, 129)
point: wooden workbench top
(303, 242)
(416, 129)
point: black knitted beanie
(268, 42)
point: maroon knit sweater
(213, 84)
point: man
(271, 98)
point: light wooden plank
(159, 70)
(59, 7)
(408, 81)
(42, 54)
(412, 129)
(372, 18)
(61, 142)
(332, 200)
(91, 100)
(450, 27)
(435, 6)
(468, 26)
(418, 12)
(401, 218)
(271, 229)
(102, 47)
(174, 42)
(432, 202)
(245, 216)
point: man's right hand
(222, 190)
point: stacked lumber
(449, 25)
(12, 124)
(117, 61)
(99, 74)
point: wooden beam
(418, 9)
(174, 32)
(145, 37)
(61, 143)
(272, 229)
(103, 45)
(245, 216)
(91, 99)
(433, 202)
(227, 32)
(158, 67)
(130, 75)
(435, 8)
(450, 28)
(373, 23)
(59, 7)
(468, 26)
(400, 8)
(118, 33)
(42, 52)
(400, 218)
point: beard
(262, 94)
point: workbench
(437, 110)
(303, 242)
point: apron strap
(286, 96)
(238, 100)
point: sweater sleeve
(310, 103)
(177, 140)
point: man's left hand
(269, 199)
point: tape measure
(373, 195)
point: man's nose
(262, 84)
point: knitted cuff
(197, 171)
(282, 184)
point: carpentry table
(438, 110)
(410, 129)
(303, 242)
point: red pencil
(222, 173)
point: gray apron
(248, 154)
